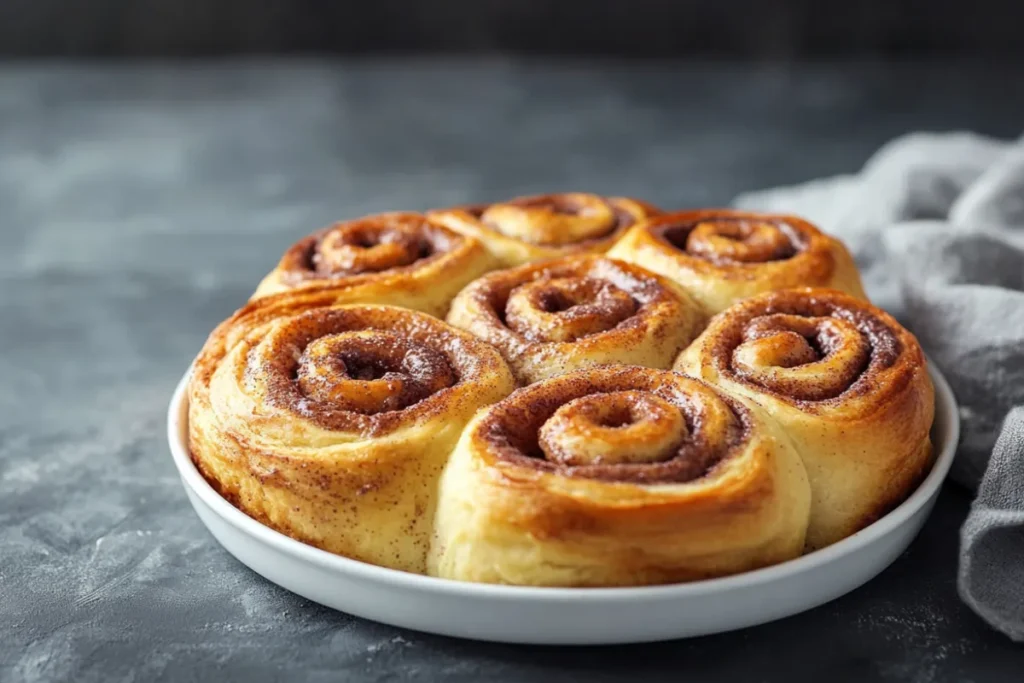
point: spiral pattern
(356, 369)
(362, 369)
(735, 238)
(367, 245)
(566, 309)
(398, 258)
(722, 256)
(845, 381)
(556, 219)
(366, 372)
(614, 476)
(811, 359)
(558, 316)
(531, 228)
(332, 424)
(806, 345)
(626, 424)
(615, 428)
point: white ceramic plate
(565, 615)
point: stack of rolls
(563, 390)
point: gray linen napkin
(936, 223)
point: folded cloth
(936, 224)
(992, 539)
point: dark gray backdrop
(764, 29)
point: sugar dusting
(921, 629)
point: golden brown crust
(847, 383)
(720, 256)
(325, 411)
(541, 227)
(559, 316)
(397, 258)
(332, 424)
(618, 475)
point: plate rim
(177, 416)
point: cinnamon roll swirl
(541, 227)
(720, 256)
(616, 476)
(398, 258)
(555, 317)
(847, 383)
(332, 424)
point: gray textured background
(139, 206)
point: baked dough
(332, 424)
(618, 476)
(721, 256)
(848, 385)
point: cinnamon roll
(617, 476)
(720, 256)
(398, 258)
(541, 227)
(554, 317)
(332, 424)
(847, 383)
